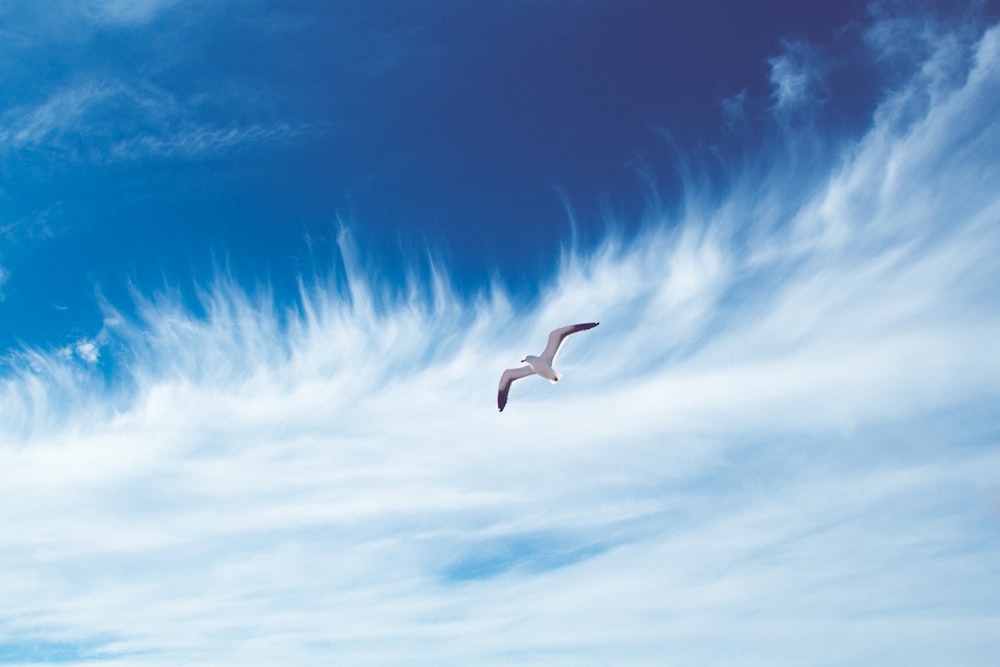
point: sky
(262, 264)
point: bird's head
(525, 360)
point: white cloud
(111, 121)
(85, 349)
(781, 437)
(796, 77)
(198, 140)
(4, 277)
(62, 112)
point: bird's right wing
(557, 337)
(507, 378)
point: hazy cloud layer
(126, 12)
(90, 111)
(779, 447)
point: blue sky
(144, 141)
(262, 264)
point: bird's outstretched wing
(557, 337)
(507, 378)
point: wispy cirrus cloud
(205, 140)
(110, 120)
(783, 431)
(63, 113)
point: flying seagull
(542, 364)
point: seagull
(542, 364)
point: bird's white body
(542, 368)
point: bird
(542, 364)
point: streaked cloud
(111, 120)
(784, 431)
(61, 113)
(201, 140)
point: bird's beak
(525, 360)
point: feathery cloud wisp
(108, 121)
(796, 77)
(784, 430)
